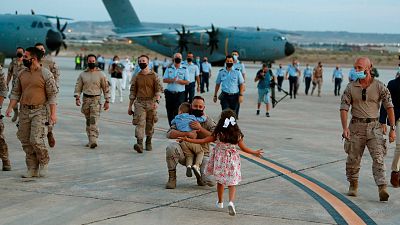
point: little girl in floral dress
(224, 163)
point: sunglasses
(364, 94)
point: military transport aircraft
(215, 43)
(26, 30)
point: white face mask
(116, 61)
(235, 57)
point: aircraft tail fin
(122, 13)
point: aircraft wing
(160, 32)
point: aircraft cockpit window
(34, 24)
(279, 38)
(47, 24)
(40, 25)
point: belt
(90, 96)
(363, 120)
(144, 98)
(32, 106)
(226, 93)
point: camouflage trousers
(144, 119)
(3, 144)
(91, 109)
(316, 82)
(174, 155)
(370, 135)
(31, 132)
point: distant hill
(99, 30)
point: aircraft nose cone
(53, 40)
(289, 49)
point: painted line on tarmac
(342, 210)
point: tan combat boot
(139, 146)
(43, 170)
(15, 117)
(6, 165)
(353, 188)
(171, 184)
(31, 173)
(148, 144)
(92, 142)
(383, 195)
(51, 139)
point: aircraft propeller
(183, 39)
(213, 39)
(61, 30)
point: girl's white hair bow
(229, 121)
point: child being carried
(182, 123)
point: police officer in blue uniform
(205, 74)
(307, 77)
(232, 85)
(194, 73)
(237, 65)
(176, 77)
(280, 73)
(293, 73)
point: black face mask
(142, 66)
(229, 65)
(177, 60)
(197, 112)
(27, 63)
(189, 60)
(91, 65)
(19, 55)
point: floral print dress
(224, 164)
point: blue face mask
(360, 75)
(235, 57)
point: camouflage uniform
(144, 91)
(3, 144)
(48, 63)
(175, 155)
(14, 69)
(317, 80)
(365, 129)
(33, 115)
(91, 84)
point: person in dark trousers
(293, 73)
(394, 89)
(176, 77)
(205, 74)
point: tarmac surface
(300, 180)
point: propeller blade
(63, 35)
(57, 51)
(32, 12)
(58, 23)
(65, 26)
(64, 45)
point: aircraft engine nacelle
(199, 39)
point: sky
(363, 16)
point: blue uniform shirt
(308, 72)
(352, 74)
(193, 69)
(240, 66)
(229, 80)
(136, 70)
(337, 73)
(171, 72)
(206, 67)
(280, 72)
(182, 121)
(292, 70)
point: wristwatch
(393, 127)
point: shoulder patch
(221, 69)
